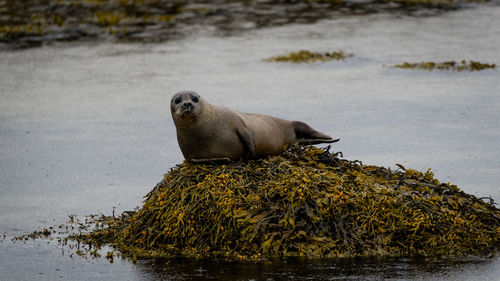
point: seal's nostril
(187, 104)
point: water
(85, 127)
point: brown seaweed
(305, 202)
(304, 56)
(448, 65)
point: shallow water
(86, 127)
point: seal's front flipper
(306, 135)
(210, 160)
(247, 140)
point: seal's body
(207, 132)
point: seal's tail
(306, 135)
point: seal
(207, 132)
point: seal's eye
(178, 100)
(196, 99)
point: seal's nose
(187, 104)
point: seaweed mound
(448, 65)
(305, 202)
(304, 56)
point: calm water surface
(87, 127)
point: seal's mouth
(186, 110)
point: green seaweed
(305, 202)
(448, 65)
(304, 56)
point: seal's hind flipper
(316, 141)
(306, 135)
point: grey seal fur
(207, 132)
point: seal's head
(186, 107)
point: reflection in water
(39, 260)
(307, 269)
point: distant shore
(34, 23)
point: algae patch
(306, 202)
(448, 65)
(304, 56)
